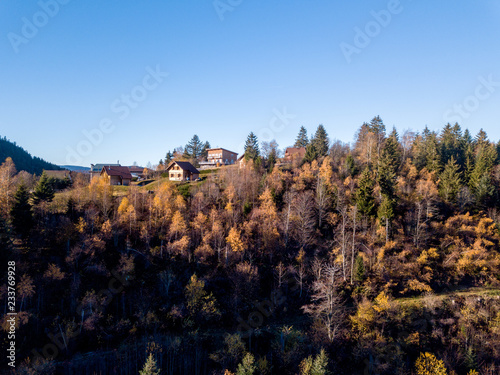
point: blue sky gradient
(236, 71)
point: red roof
(122, 172)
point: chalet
(182, 171)
(217, 157)
(96, 169)
(295, 153)
(116, 175)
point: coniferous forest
(376, 257)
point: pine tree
(22, 216)
(168, 158)
(350, 166)
(450, 144)
(204, 151)
(194, 148)
(150, 367)
(359, 269)
(450, 181)
(321, 141)
(364, 195)
(43, 190)
(252, 147)
(302, 140)
(311, 153)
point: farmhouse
(217, 157)
(182, 171)
(295, 153)
(116, 175)
(95, 169)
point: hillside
(22, 158)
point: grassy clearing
(461, 292)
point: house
(95, 169)
(182, 171)
(217, 157)
(116, 175)
(295, 153)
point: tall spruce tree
(150, 367)
(204, 151)
(21, 213)
(252, 147)
(43, 190)
(311, 153)
(320, 141)
(302, 140)
(364, 195)
(194, 148)
(450, 181)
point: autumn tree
(428, 364)
(150, 367)
(7, 172)
(200, 304)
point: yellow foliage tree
(428, 364)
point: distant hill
(22, 158)
(75, 168)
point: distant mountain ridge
(22, 159)
(75, 168)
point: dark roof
(135, 169)
(98, 167)
(120, 171)
(185, 165)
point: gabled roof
(98, 167)
(184, 165)
(120, 171)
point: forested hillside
(22, 159)
(380, 257)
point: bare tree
(327, 305)
(303, 219)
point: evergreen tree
(204, 151)
(450, 145)
(450, 181)
(351, 168)
(359, 269)
(321, 141)
(43, 190)
(311, 153)
(168, 158)
(468, 153)
(252, 147)
(194, 148)
(302, 140)
(364, 195)
(22, 216)
(150, 367)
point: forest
(376, 257)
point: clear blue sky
(231, 71)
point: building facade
(182, 171)
(218, 157)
